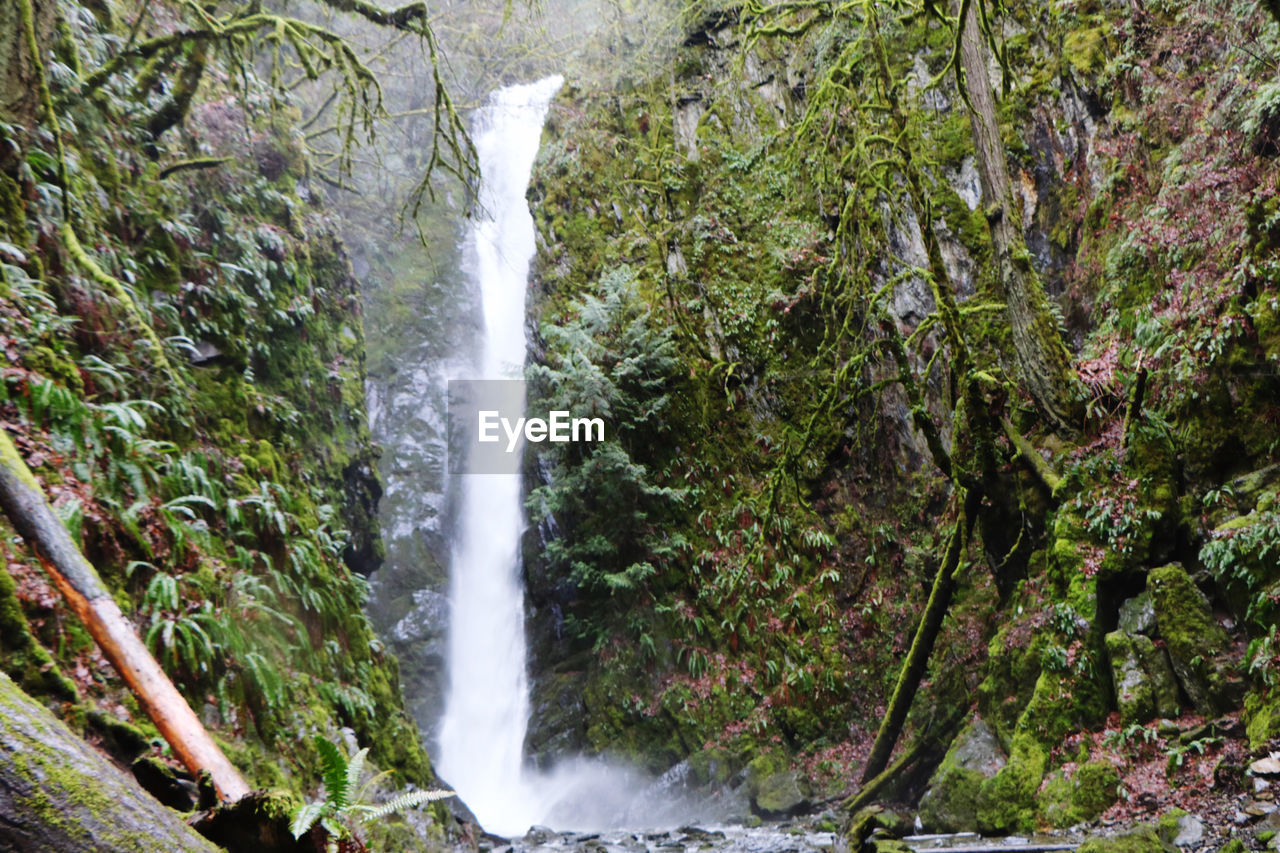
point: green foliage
(343, 809)
(610, 360)
(1241, 555)
(222, 497)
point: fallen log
(59, 796)
(24, 502)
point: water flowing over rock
(487, 705)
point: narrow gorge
(935, 356)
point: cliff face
(796, 199)
(184, 373)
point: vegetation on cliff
(184, 370)
(807, 206)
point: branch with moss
(122, 295)
(194, 163)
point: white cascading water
(487, 705)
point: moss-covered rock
(1079, 795)
(1262, 717)
(1007, 801)
(781, 795)
(1143, 839)
(1063, 702)
(1144, 683)
(1194, 640)
(712, 766)
(950, 804)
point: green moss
(1141, 840)
(712, 766)
(1191, 636)
(1097, 788)
(1007, 801)
(1262, 717)
(1086, 49)
(1063, 702)
(951, 804)
(23, 658)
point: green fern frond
(333, 769)
(354, 771)
(403, 802)
(304, 818)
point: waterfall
(487, 704)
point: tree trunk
(913, 668)
(1042, 359)
(59, 796)
(24, 503)
(19, 86)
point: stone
(539, 834)
(1195, 642)
(1269, 766)
(1144, 681)
(1137, 615)
(1190, 831)
(950, 803)
(780, 795)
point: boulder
(1196, 643)
(1190, 832)
(1144, 681)
(951, 802)
(1138, 615)
(781, 795)
(1069, 798)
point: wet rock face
(1144, 682)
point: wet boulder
(1197, 645)
(951, 802)
(781, 795)
(1144, 681)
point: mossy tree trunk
(59, 796)
(913, 668)
(1044, 365)
(19, 88)
(25, 505)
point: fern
(405, 802)
(333, 769)
(305, 817)
(341, 811)
(354, 771)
